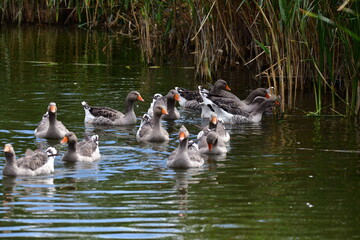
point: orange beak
(163, 111)
(210, 146)
(65, 140)
(277, 103)
(6, 148)
(213, 120)
(53, 109)
(182, 136)
(177, 97)
(267, 95)
(140, 98)
(227, 87)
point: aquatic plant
(292, 45)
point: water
(292, 179)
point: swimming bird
(49, 127)
(112, 117)
(169, 101)
(211, 143)
(185, 155)
(189, 99)
(217, 125)
(32, 164)
(237, 116)
(84, 151)
(247, 105)
(151, 129)
(219, 90)
(192, 99)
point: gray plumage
(112, 117)
(84, 151)
(185, 155)
(32, 164)
(151, 129)
(169, 101)
(211, 143)
(49, 127)
(216, 125)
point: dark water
(292, 179)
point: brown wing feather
(106, 112)
(32, 161)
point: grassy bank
(293, 45)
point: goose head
(221, 85)
(173, 95)
(70, 137)
(183, 133)
(134, 96)
(9, 151)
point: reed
(292, 45)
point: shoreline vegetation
(291, 44)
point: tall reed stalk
(292, 44)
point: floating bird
(185, 155)
(169, 101)
(151, 129)
(32, 164)
(84, 151)
(49, 127)
(112, 117)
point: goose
(216, 125)
(112, 117)
(219, 90)
(169, 100)
(237, 116)
(211, 143)
(185, 155)
(49, 127)
(189, 99)
(192, 99)
(151, 129)
(247, 105)
(84, 151)
(32, 164)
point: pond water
(297, 178)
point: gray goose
(84, 151)
(237, 116)
(185, 155)
(49, 127)
(211, 143)
(169, 100)
(112, 117)
(247, 105)
(32, 164)
(151, 129)
(216, 125)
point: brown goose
(211, 143)
(151, 129)
(185, 155)
(112, 117)
(169, 100)
(32, 164)
(49, 127)
(84, 151)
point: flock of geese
(216, 103)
